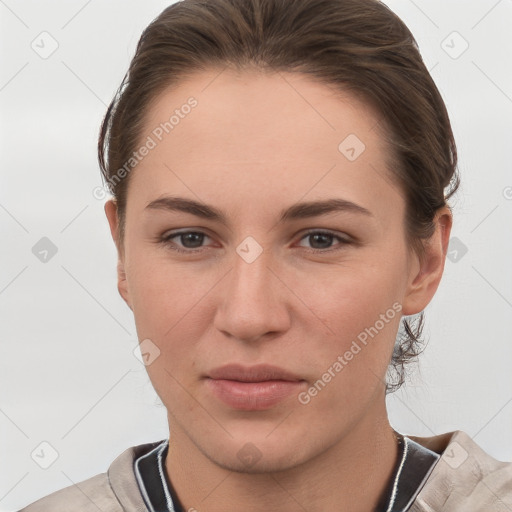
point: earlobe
(113, 220)
(427, 271)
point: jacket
(465, 479)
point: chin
(262, 462)
(258, 453)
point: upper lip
(256, 373)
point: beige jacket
(465, 479)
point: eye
(190, 240)
(322, 241)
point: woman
(280, 173)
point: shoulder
(465, 478)
(114, 491)
(92, 494)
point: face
(264, 229)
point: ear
(113, 220)
(426, 272)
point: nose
(253, 301)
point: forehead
(281, 134)
(260, 108)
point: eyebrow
(295, 212)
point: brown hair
(358, 46)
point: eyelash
(166, 241)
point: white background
(67, 372)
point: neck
(351, 475)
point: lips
(252, 388)
(257, 373)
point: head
(280, 173)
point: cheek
(171, 308)
(164, 293)
(360, 310)
(166, 302)
(351, 298)
(350, 364)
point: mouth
(252, 388)
(257, 373)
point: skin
(256, 144)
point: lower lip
(253, 396)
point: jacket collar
(465, 477)
(122, 479)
